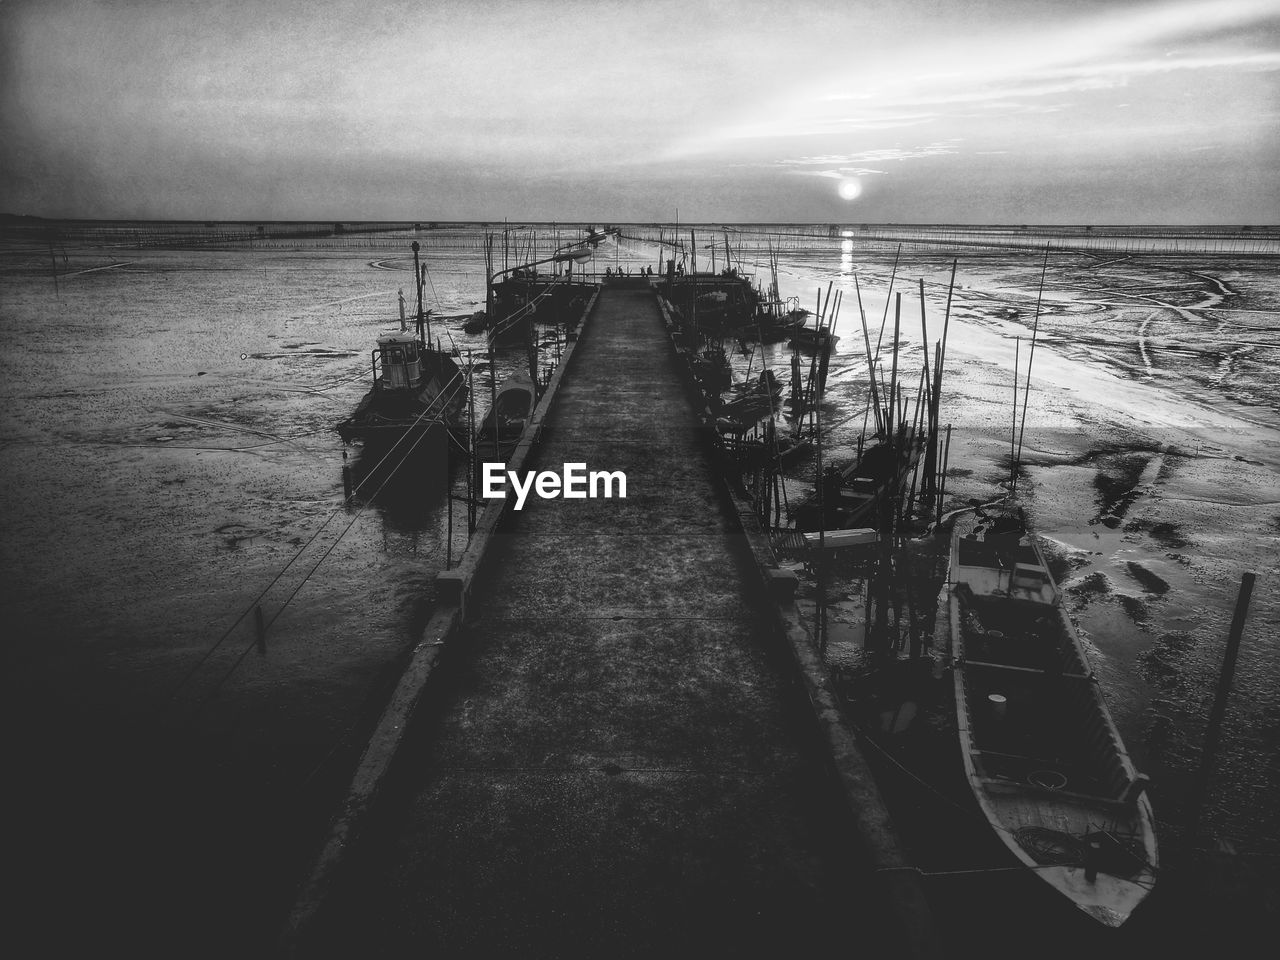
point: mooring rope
(437, 404)
(324, 556)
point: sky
(924, 111)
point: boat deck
(1029, 697)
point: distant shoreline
(359, 224)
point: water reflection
(407, 489)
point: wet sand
(1151, 465)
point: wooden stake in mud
(917, 425)
(942, 473)
(488, 282)
(893, 375)
(931, 448)
(822, 353)
(531, 347)
(1219, 709)
(884, 319)
(53, 259)
(260, 631)
(871, 364)
(1013, 432)
(1026, 395)
(797, 391)
(417, 282)
(493, 397)
(473, 468)
(820, 614)
(924, 348)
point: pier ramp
(616, 757)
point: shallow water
(170, 464)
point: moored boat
(1041, 753)
(773, 322)
(810, 338)
(418, 391)
(720, 302)
(508, 416)
(854, 495)
(523, 296)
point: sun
(850, 189)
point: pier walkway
(616, 759)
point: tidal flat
(170, 466)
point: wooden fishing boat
(809, 338)
(519, 297)
(853, 495)
(711, 369)
(512, 408)
(765, 384)
(773, 323)
(1041, 752)
(712, 301)
(523, 297)
(744, 413)
(418, 391)
(767, 451)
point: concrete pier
(617, 757)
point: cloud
(1043, 62)
(845, 165)
(840, 173)
(1000, 87)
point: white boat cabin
(1013, 568)
(400, 359)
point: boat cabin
(401, 361)
(1007, 564)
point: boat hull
(433, 406)
(1041, 753)
(505, 423)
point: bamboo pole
(893, 376)
(887, 296)
(820, 613)
(917, 422)
(924, 347)
(1013, 432)
(931, 451)
(871, 367)
(942, 477)
(1035, 328)
(473, 471)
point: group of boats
(1042, 756)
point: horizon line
(426, 224)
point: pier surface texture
(616, 758)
